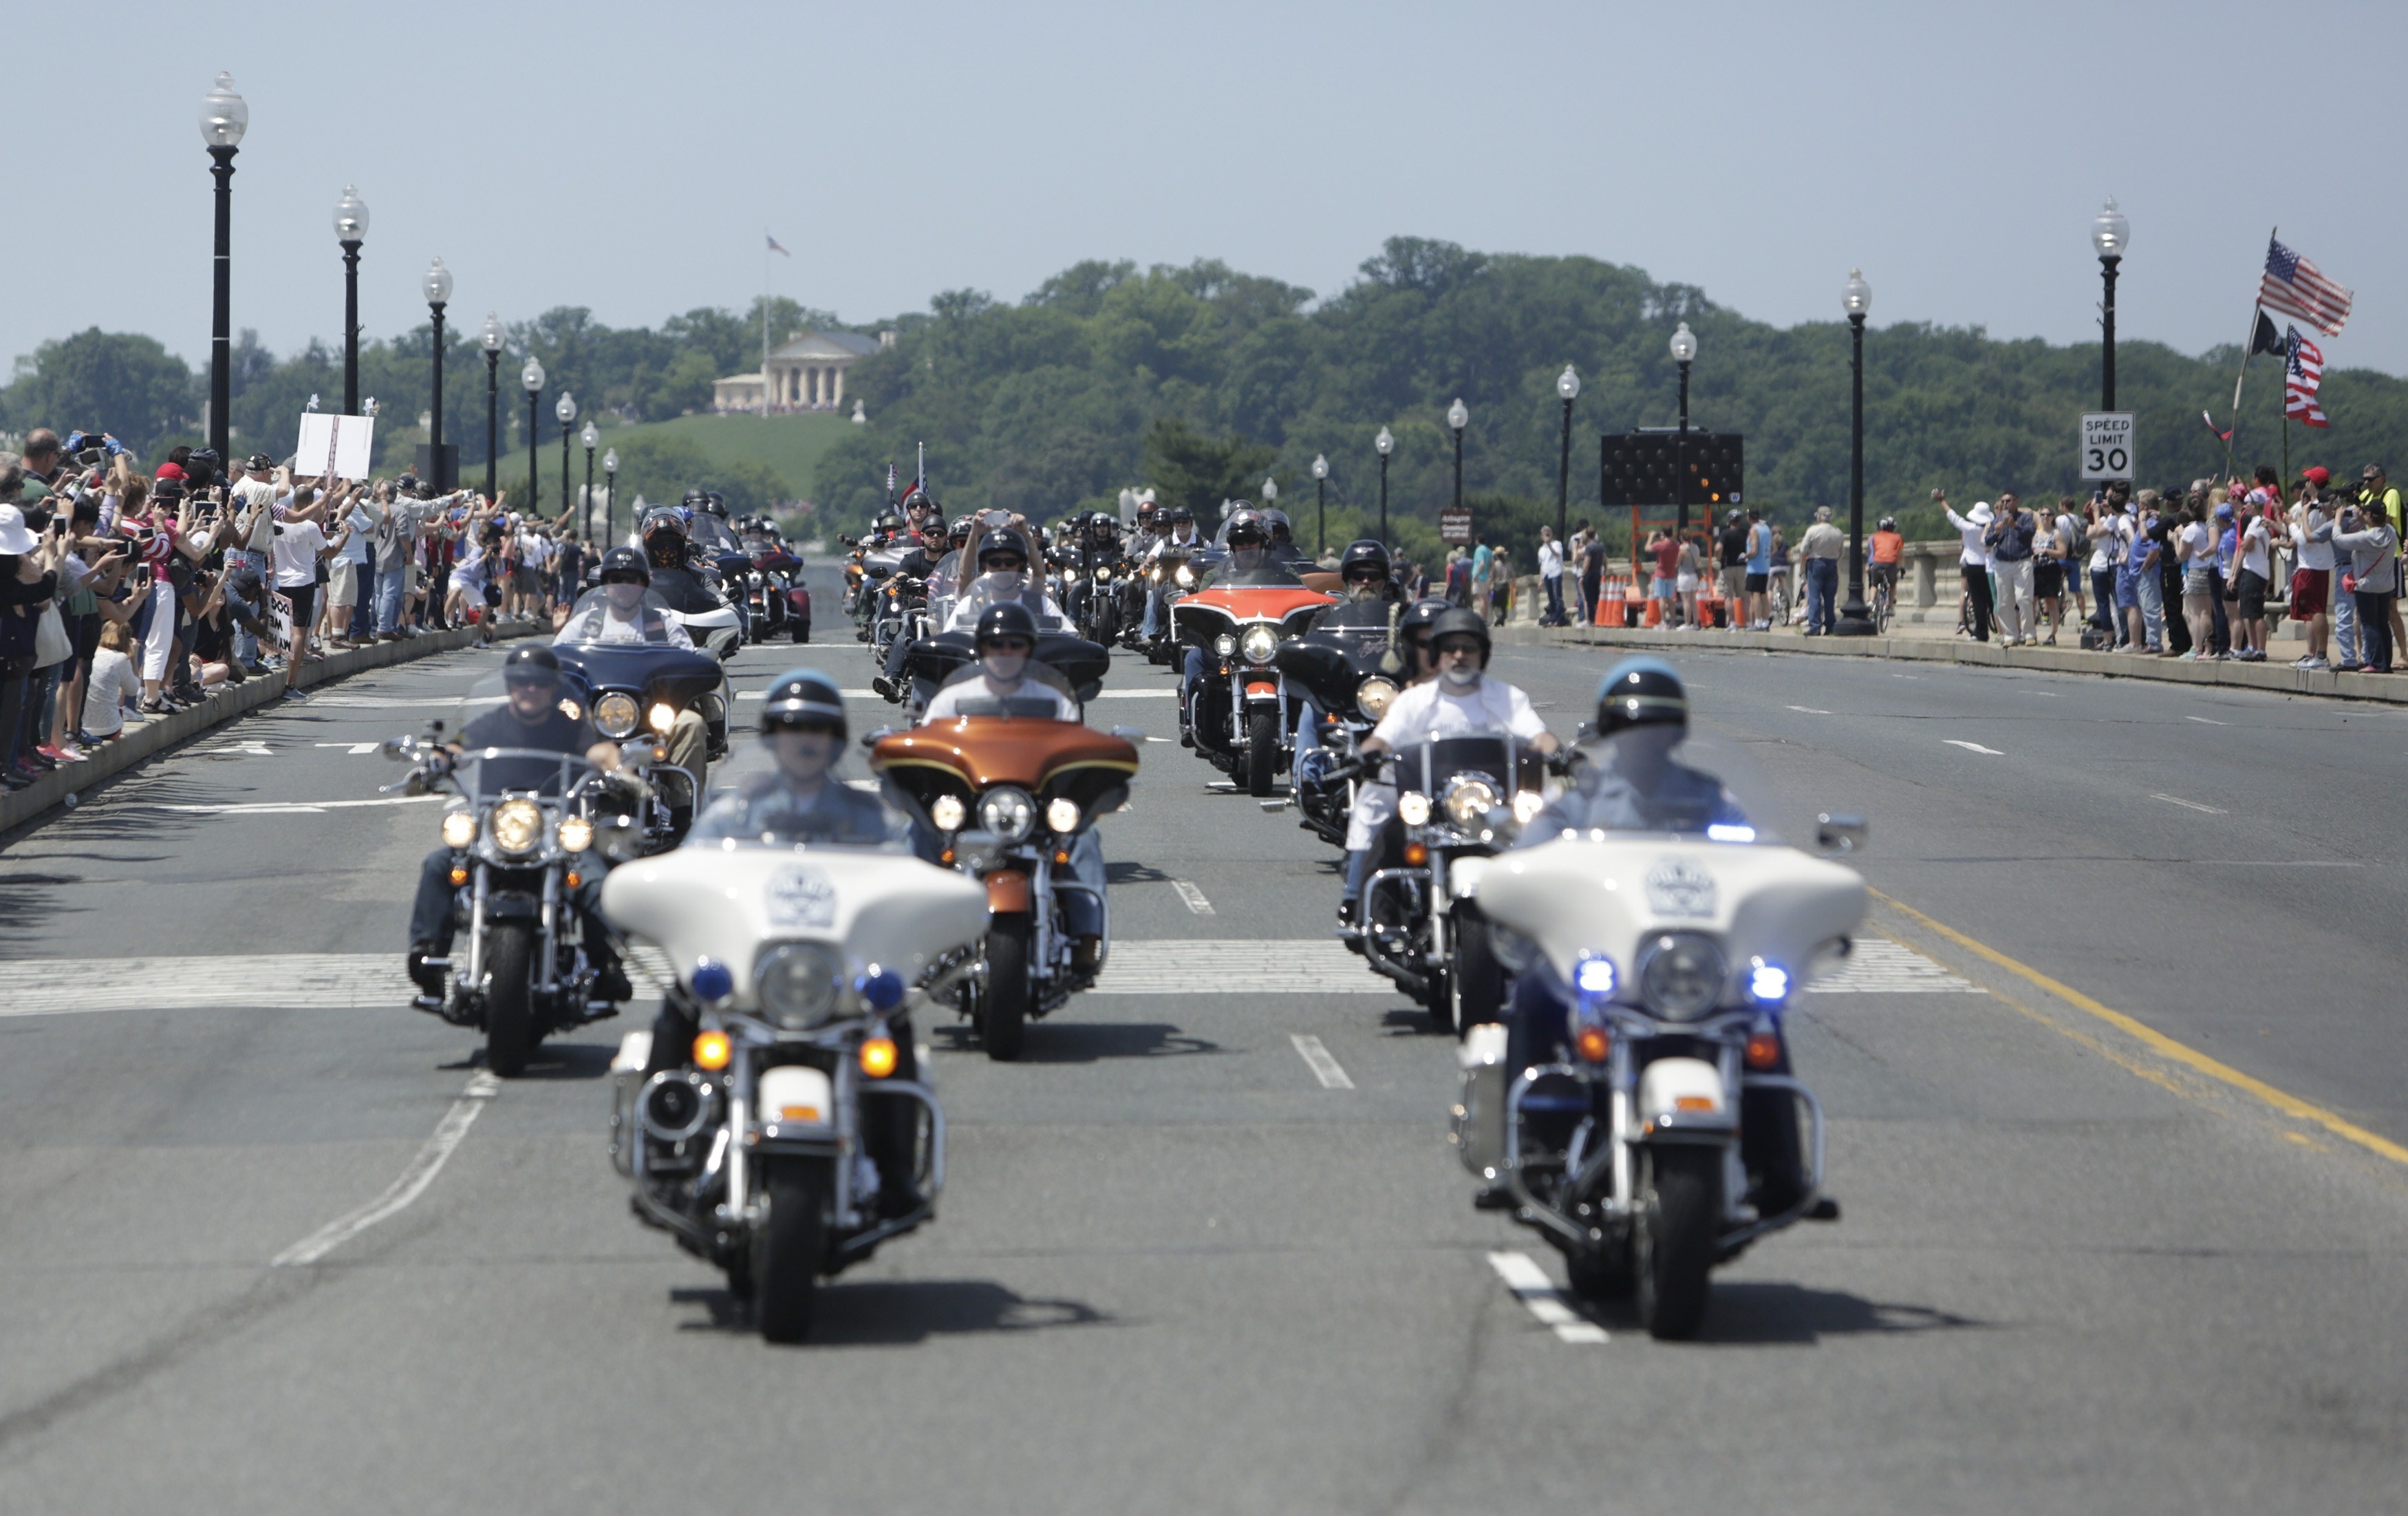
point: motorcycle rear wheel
(510, 1014)
(1004, 1024)
(1674, 1245)
(789, 1247)
(1262, 752)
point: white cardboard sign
(347, 443)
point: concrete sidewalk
(1932, 642)
(152, 735)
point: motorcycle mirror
(1130, 734)
(872, 739)
(401, 749)
(1840, 834)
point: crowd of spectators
(129, 592)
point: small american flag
(774, 247)
(2303, 371)
(2295, 287)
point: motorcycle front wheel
(1262, 752)
(1674, 1244)
(789, 1246)
(1004, 1024)
(510, 1014)
(1477, 981)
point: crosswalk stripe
(1160, 966)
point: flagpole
(764, 326)
(2249, 349)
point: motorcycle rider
(1375, 798)
(1283, 545)
(535, 716)
(1366, 590)
(801, 801)
(1007, 681)
(669, 556)
(1178, 538)
(1251, 560)
(1634, 784)
(1462, 700)
(619, 611)
(1002, 577)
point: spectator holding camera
(2372, 578)
(2009, 539)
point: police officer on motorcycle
(1642, 714)
(536, 716)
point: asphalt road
(1177, 1270)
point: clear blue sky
(629, 157)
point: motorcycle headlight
(1070, 576)
(615, 715)
(1412, 808)
(797, 985)
(1258, 644)
(1186, 577)
(518, 826)
(949, 813)
(1062, 814)
(1225, 644)
(1527, 804)
(1469, 802)
(1008, 813)
(576, 835)
(1681, 975)
(663, 717)
(1374, 694)
(459, 829)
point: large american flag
(2296, 287)
(2303, 371)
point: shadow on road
(1128, 873)
(550, 1060)
(1087, 1042)
(898, 1313)
(1750, 1313)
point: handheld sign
(345, 444)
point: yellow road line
(2165, 1047)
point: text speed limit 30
(2107, 445)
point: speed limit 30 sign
(2107, 445)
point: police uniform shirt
(1683, 799)
(767, 806)
(1426, 710)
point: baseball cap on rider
(803, 699)
(533, 664)
(1640, 692)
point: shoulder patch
(570, 709)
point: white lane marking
(246, 749)
(1972, 747)
(1317, 1057)
(2205, 722)
(355, 749)
(1810, 710)
(2191, 805)
(277, 807)
(429, 1162)
(1878, 966)
(1916, 677)
(1194, 897)
(1538, 1295)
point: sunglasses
(624, 579)
(1007, 645)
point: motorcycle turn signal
(878, 1057)
(711, 1052)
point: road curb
(2281, 679)
(157, 736)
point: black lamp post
(532, 377)
(223, 119)
(493, 400)
(1387, 444)
(585, 505)
(1566, 385)
(1457, 418)
(609, 497)
(1685, 351)
(1320, 505)
(438, 294)
(1855, 617)
(351, 230)
(566, 412)
(2109, 232)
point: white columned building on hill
(807, 373)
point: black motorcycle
(1351, 677)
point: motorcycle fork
(739, 1204)
(546, 977)
(475, 978)
(1043, 912)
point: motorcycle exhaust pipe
(675, 1104)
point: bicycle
(1776, 598)
(1885, 600)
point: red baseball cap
(2318, 476)
(169, 471)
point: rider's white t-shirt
(1426, 710)
(947, 701)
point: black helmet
(1363, 553)
(1419, 617)
(1179, 513)
(1010, 619)
(1461, 621)
(625, 560)
(1000, 541)
(715, 503)
(803, 698)
(1247, 526)
(1276, 521)
(696, 499)
(1640, 692)
(531, 663)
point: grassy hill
(787, 446)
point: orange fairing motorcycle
(1015, 797)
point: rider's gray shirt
(764, 806)
(1683, 799)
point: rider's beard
(1363, 589)
(1004, 668)
(624, 597)
(1460, 678)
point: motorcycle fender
(1261, 689)
(1006, 892)
(1682, 1099)
(1463, 876)
(512, 907)
(794, 1100)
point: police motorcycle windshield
(1668, 781)
(600, 618)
